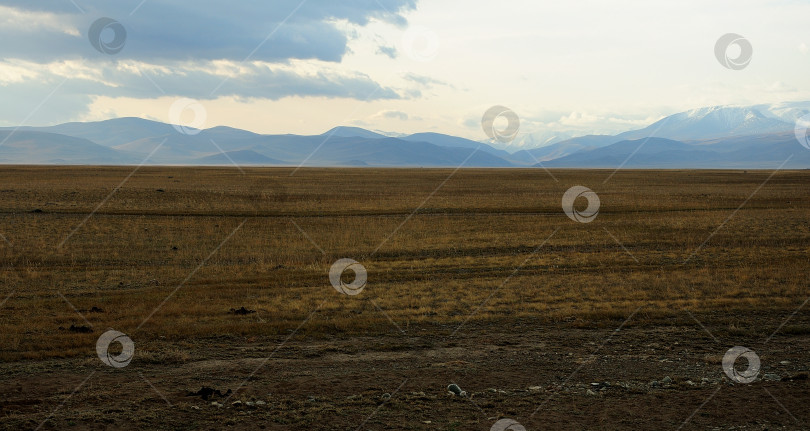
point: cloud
(203, 50)
(202, 30)
(389, 51)
(425, 81)
(394, 115)
(208, 80)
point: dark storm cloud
(200, 30)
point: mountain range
(760, 136)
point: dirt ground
(662, 376)
(220, 278)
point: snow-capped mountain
(712, 122)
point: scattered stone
(83, 329)
(427, 422)
(785, 362)
(666, 380)
(95, 309)
(205, 393)
(655, 384)
(772, 377)
(216, 404)
(194, 408)
(386, 396)
(260, 403)
(691, 383)
(237, 403)
(590, 392)
(241, 311)
(535, 388)
(250, 403)
(456, 390)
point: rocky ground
(540, 376)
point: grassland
(165, 257)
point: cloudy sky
(292, 66)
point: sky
(405, 66)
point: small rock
(260, 403)
(237, 403)
(690, 383)
(250, 403)
(772, 377)
(666, 380)
(535, 388)
(785, 362)
(456, 390)
(216, 404)
(386, 396)
(590, 392)
(655, 384)
(194, 408)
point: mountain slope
(46, 148)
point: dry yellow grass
(437, 267)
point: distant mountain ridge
(712, 137)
